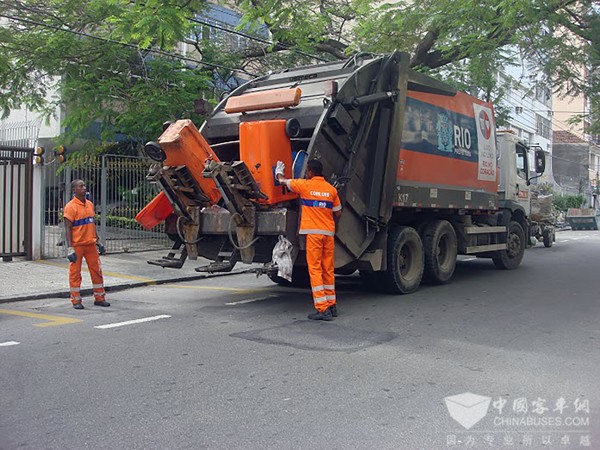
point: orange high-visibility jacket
(319, 200)
(81, 215)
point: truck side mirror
(540, 161)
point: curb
(122, 286)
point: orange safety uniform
(81, 215)
(319, 201)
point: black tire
(441, 247)
(300, 278)
(548, 238)
(405, 262)
(511, 257)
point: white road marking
(132, 322)
(250, 300)
(9, 343)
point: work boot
(78, 305)
(102, 303)
(325, 315)
(333, 309)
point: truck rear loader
(422, 174)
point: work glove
(101, 249)
(71, 255)
(279, 168)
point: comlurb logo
(485, 124)
(468, 408)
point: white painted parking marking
(8, 344)
(132, 322)
(250, 300)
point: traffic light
(61, 154)
(39, 155)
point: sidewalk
(29, 280)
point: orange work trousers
(319, 257)
(92, 259)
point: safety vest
(319, 200)
(81, 215)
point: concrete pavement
(30, 280)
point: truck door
(521, 187)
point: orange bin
(155, 212)
(262, 144)
(185, 146)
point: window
(543, 126)
(522, 161)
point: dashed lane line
(51, 321)
(8, 344)
(132, 322)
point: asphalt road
(233, 363)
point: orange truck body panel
(440, 144)
(184, 145)
(262, 144)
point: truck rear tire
(511, 257)
(405, 261)
(441, 248)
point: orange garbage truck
(422, 173)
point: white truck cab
(514, 178)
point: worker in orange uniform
(83, 242)
(320, 205)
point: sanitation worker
(320, 205)
(83, 242)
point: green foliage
(108, 61)
(564, 202)
(112, 63)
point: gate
(17, 140)
(118, 187)
(16, 180)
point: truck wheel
(512, 256)
(405, 261)
(300, 278)
(547, 236)
(441, 248)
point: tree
(115, 61)
(109, 61)
(458, 37)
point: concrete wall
(571, 163)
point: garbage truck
(422, 173)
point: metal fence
(20, 134)
(118, 188)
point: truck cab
(514, 178)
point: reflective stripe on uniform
(98, 286)
(75, 289)
(337, 208)
(329, 286)
(323, 232)
(318, 288)
(317, 203)
(320, 300)
(84, 221)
